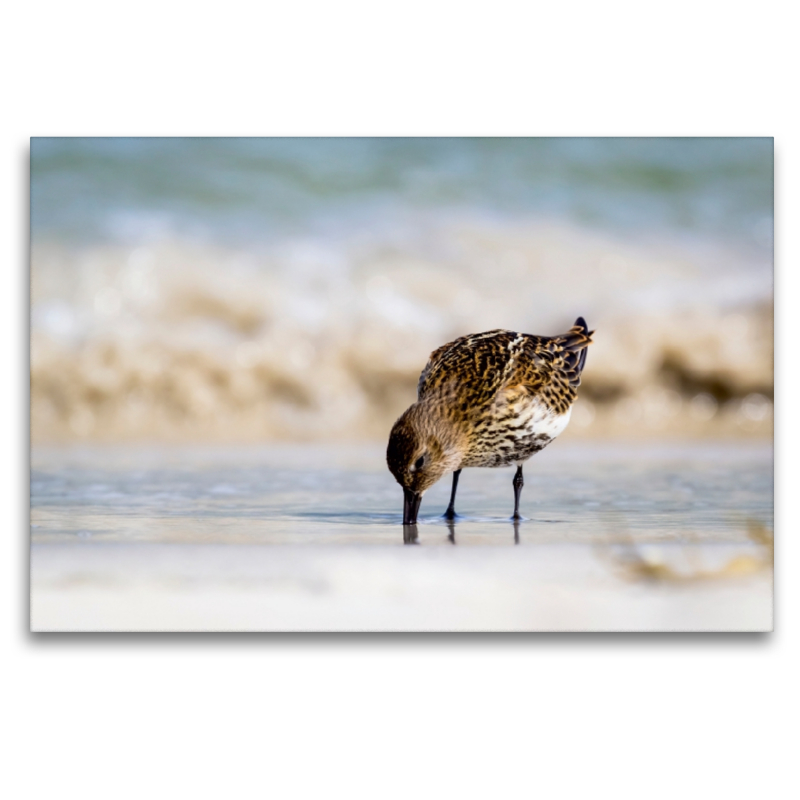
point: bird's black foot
(451, 509)
(518, 483)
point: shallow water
(309, 494)
(302, 538)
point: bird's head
(421, 450)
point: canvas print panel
(224, 333)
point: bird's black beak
(411, 501)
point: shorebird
(490, 399)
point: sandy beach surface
(617, 537)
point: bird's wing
(551, 367)
(481, 360)
(500, 360)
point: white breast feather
(541, 420)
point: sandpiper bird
(487, 400)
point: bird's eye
(419, 462)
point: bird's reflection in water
(410, 534)
(451, 527)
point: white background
(489, 716)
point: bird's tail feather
(576, 341)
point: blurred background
(262, 289)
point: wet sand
(664, 536)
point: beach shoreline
(628, 536)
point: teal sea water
(255, 190)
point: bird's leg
(518, 483)
(451, 509)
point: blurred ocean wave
(246, 289)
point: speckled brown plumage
(490, 399)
